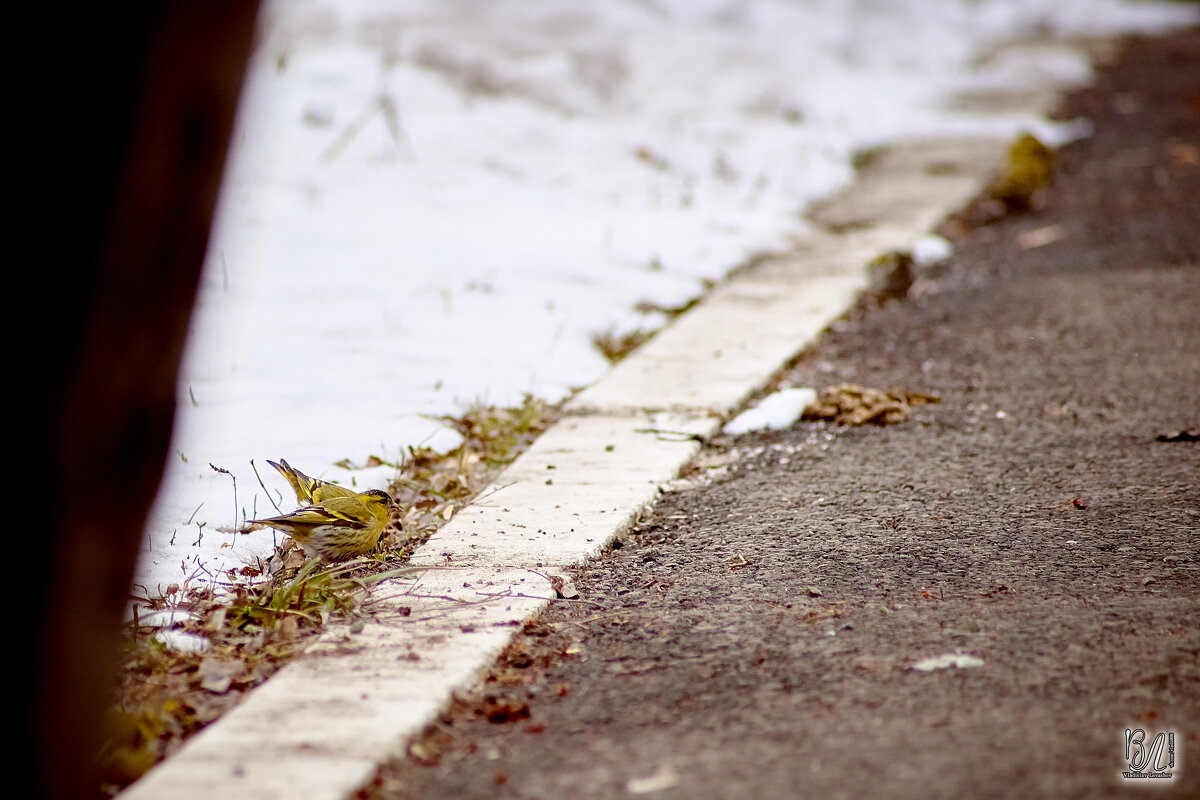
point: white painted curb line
(319, 727)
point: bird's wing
(324, 490)
(312, 516)
(347, 509)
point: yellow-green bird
(339, 527)
(310, 490)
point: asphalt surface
(761, 631)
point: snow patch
(776, 411)
(957, 660)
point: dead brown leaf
(502, 711)
(851, 404)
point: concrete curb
(319, 727)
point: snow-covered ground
(431, 203)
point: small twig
(384, 598)
(385, 105)
(264, 488)
(594, 617)
(195, 573)
(235, 502)
(491, 491)
(494, 595)
(457, 601)
(391, 115)
(352, 130)
(558, 584)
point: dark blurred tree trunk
(124, 114)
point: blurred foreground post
(123, 151)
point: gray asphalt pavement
(996, 597)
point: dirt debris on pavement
(980, 602)
(851, 404)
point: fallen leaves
(505, 696)
(236, 635)
(499, 711)
(851, 404)
(154, 717)
(217, 674)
